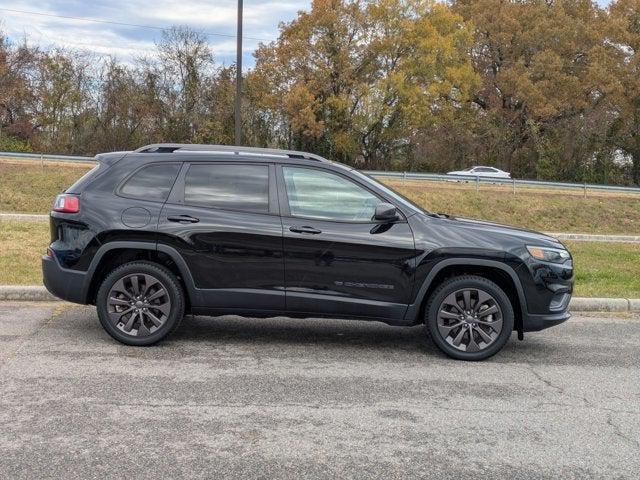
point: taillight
(66, 204)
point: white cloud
(261, 19)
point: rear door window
(229, 187)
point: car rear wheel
(469, 317)
(140, 303)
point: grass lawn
(602, 269)
(21, 246)
(29, 187)
(606, 269)
(538, 209)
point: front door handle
(305, 229)
(183, 219)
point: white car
(482, 172)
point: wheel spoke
(156, 321)
(118, 301)
(120, 288)
(157, 294)
(458, 339)
(165, 308)
(446, 329)
(489, 311)
(116, 316)
(483, 297)
(472, 346)
(496, 325)
(452, 302)
(149, 282)
(485, 336)
(466, 295)
(132, 319)
(135, 285)
(447, 315)
(143, 331)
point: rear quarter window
(152, 182)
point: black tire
(440, 304)
(172, 295)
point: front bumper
(535, 323)
(63, 283)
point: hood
(489, 231)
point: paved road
(231, 398)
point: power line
(110, 22)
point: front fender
(411, 316)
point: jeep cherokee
(170, 228)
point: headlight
(546, 254)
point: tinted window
(233, 187)
(151, 183)
(318, 194)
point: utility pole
(238, 116)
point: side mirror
(385, 212)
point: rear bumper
(63, 283)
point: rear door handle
(183, 219)
(305, 229)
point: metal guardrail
(46, 156)
(432, 177)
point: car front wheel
(469, 317)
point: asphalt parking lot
(281, 398)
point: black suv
(149, 235)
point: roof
(227, 149)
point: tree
(625, 36)
(17, 65)
(351, 79)
(541, 71)
(62, 89)
(184, 63)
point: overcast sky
(261, 19)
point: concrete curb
(34, 293)
(602, 304)
(588, 237)
(25, 217)
(31, 293)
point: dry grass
(602, 269)
(21, 246)
(545, 210)
(29, 187)
(606, 269)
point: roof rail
(188, 147)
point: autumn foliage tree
(352, 80)
(546, 89)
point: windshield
(392, 193)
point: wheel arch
(114, 254)
(500, 273)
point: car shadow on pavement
(328, 333)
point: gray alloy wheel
(470, 319)
(138, 304)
